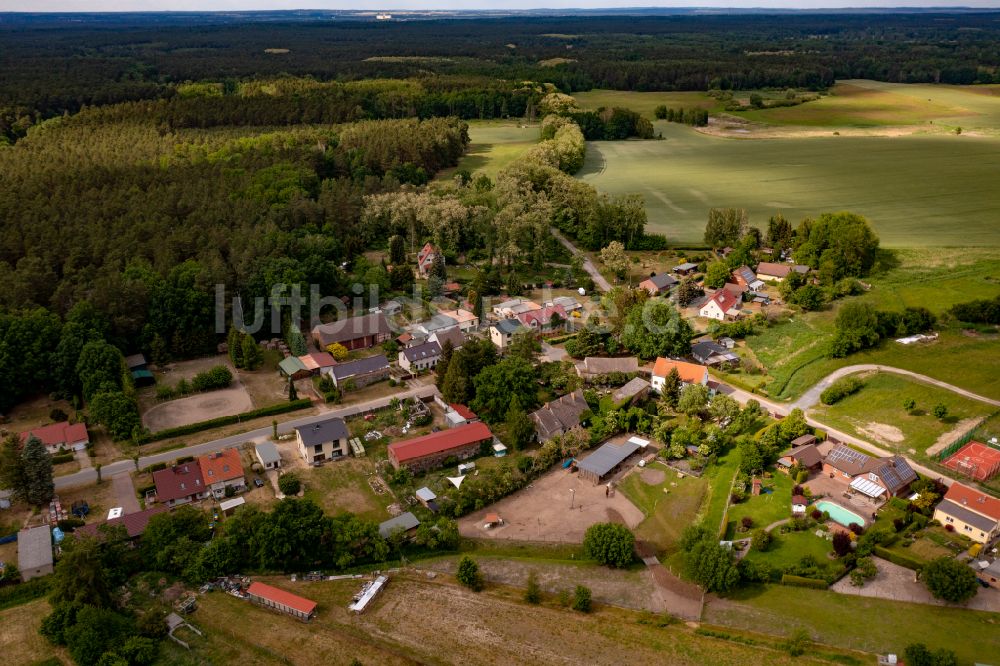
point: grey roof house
(34, 552)
(559, 416)
(267, 455)
(362, 372)
(323, 440)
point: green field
(914, 189)
(763, 509)
(645, 102)
(876, 413)
(494, 145)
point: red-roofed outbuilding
(263, 594)
(430, 451)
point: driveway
(599, 281)
(125, 493)
(552, 354)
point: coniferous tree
(671, 391)
(252, 356)
(235, 343)
(37, 464)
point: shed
(282, 601)
(267, 454)
(368, 592)
(230, 505)
(34, 552)
(605, 459)
(293, 367)
(426, 497)
(405, 522)
(499, 450)
(686, 268)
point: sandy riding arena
(200, 407)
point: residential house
(134, 523)
(502, 332)
(723, 305)
(180, 484)
(323, 440)
(636, 389)
(747, 279)
(596, 366)
(869, 476)
(453, 335)
(34, 552)
(466, 320)
(659, 284)
(438, 322)
(712, 353)
(60, 436)
(686, 268)
(425, 259)
(420, 357)
(292, 367)
(514, 307)
(971, 512)
(771, 272)
(430, 451)
(281, 601)
(361, 372)
(318, 363)
(550, 319)
(267, 454)
(559, 416)
(807, 456)
(354, 332)
(405, 524)
(690, 373)
(222, 470)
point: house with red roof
(689, 373)
(430, 451)
(970, 512)
(725, 304)
(222, 470)
(59, 436)
(269, 596)
(134, 523)
(180, 484)
(546, 320)
(425, 259)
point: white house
(420, 357)
(724, 304)
(690, 373)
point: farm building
(971, 512)
(58, 436)
(134, 523)
(354, 332)
(430, 451)
(180, 484)
(318, 363)
(686, 268)
(284, 602)
(514, 307)
(595, 366)
(34, 552)
(636, 389)
(267, 454)
(427, 497)
(457, 415)
(406, 523)
(420, 357)
(559, 416)
(292, 367)
(690, 373)
(221, 470)
(606, 459)
(323, 440)
(767, 271)
(139, 369)
(567, 303)
(361, 372)
(658, 284)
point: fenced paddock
(975, 460)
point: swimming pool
(840, 514)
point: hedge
(280, 408)
(899, 558)
(802, 581)
(559, 339)
(22, 593)
(61, 458)
(840, 389)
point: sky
(215, 5)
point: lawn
(493, 146)
(669, 506)
(787, 550)
(720, 478)
(876, 413)
(343, 486)
(645, 102)
(912, 188)
(864, 623)
(20, 641)
(764, 509)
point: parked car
(259, 482)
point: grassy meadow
(493, 146)
(912, 188)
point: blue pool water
(840, 514)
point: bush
(581, 599)
(816, 514)
(609, 543)
(797, 643)
(841, 543)
(840, 389)
(289, 484)
(15, 595)
(533, 592)
(951, 580)
(802, 581)
(280, 408)
(70, 524)
(468, 574)
(58, 415)
(746, 522)
(212, 379)
(940, 411)
(761, 540)
(61, 458)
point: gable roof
(773, 269)
(56, 434)
(34, 547)
(707, 348)
(134, 523)
(660, 281)
(807, 455)
(461, 316)
(543, 316)
(894, 472)
(178, 482)
(267, 452)
(293, 601)
(220, 466)
(568, 302)
(463, 411)
(690, 373)
(563, 413)
(687, 266)
(975, 500)
(291, 364)
(745, 274)
(726, 299)
(847, 460)
(329, 430)
(634, 387)
(453, 335)
(422, 352)
(317, 360)
(134, 361)
(601, 365)
(437, 442)
(404, 521)
(361, 366)
(508, 326)
(344, 330)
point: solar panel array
(842, 453)
(898, 475)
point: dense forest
(55, 64)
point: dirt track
(199, 407)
